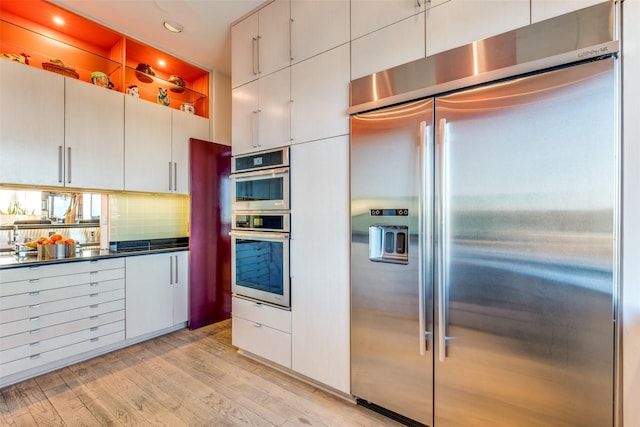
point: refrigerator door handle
(424, 233)
(442, 242)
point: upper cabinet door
(274, 102)
(148, 165)
(31, 125)
(317, 26)
(260, 43)
(319, 93)
(459, 22)
(244, 118)
(545, 9)
(368, 16)
(396, 44)
(244, 45)
(274, 49)
(185, 126)
(94, 136)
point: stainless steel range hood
(577, 36)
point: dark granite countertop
(116, 250)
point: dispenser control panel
(389, 243)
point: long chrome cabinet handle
(170, 180)
(258, 113)
(171, 270)
(442, 239)
(175, 176)
(254, 49)
(258, 55)
(69, 165)
(424, 232)
(176, 269)
(60, 163)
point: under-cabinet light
(173, 26)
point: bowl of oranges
(55, 246)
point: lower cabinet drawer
(43, 358)
(36, 308)
(39, 347)
(261, 340)
(39, 322)
(40, 334)
(264, 314)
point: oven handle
(269, 236)
(262, 172)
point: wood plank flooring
(187, 378)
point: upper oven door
(264, 190)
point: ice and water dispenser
(389, 243)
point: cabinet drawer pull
(257, 325)
(94, 339)
(94, 317)
(95, 328)
(34, 280)
(94, 272)
(34, 293)
(35, 356)
(34, 344)
(94, 306)
(34, 306)
(35, 267)
(93, 284)
(93, 295)
(34, 331)
(95, 261)
(33, 319)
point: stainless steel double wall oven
(260, 227)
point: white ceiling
(205, 41)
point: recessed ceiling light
(173, 26)
(162, 62)
(58, 20)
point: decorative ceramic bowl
(179, 82)
(143, 73)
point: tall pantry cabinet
(316, 118)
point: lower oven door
(260, 266)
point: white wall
(220, 95)
(631, 213)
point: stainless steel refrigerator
(483, 252)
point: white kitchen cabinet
(155, 285)
(261, 113)
(320, 94)
(147, 146)
(31, 125)
(157, 146)
(396, 44)
(262, 329)
(317, 26)
(459, 22)
(183, 127)
(368, 16)
(260, 43)
(180, 286)
(545, 9)
(94, 136)
(58, 131)
(50, 313)
(320, 224)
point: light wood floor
(187, 378)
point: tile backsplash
(148, 216)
